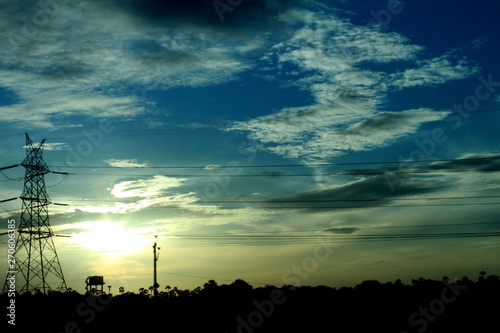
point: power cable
(276, 176)
(326, 207)
(214, 166)
(294, 201)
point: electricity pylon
(37, 267)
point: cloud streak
(343, 69)
(128, 163)
(100, 59)
(153, 186)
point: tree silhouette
(143, 291)
(175, 292)
(240, 307)
(211, 284)
(495, 278)
(196, 291)
(241, 284)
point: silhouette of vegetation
(424, 305)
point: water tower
(94, 285)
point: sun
(109, 238)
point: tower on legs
(37, 265)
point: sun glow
(110, 238)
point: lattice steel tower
(37, 263)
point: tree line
(424, 305)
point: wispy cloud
(150, 198)
(212, 166)
(316, 135)
(127, 163)
(153, 186)
(81, 62)
(478, 162)
(54, 146)
(344, 69)
(370, 191)
(341, 230)
(433, 72)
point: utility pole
(155, 259)
(37, 267)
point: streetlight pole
(155, 259)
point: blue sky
(270, 103)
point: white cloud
(342, 67)
(330, 44)
(160, 194)
(127, 163)
(81, 62)
(53, 105)
(434, 72)
(212, 166)
(325, 142)
(153, 186)
(54, 146)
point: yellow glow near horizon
(110, 238)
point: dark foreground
(424, 306)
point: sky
(281, 142)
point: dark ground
(423, 306)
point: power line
(8, 178)
(349, 237)
(325, 207)
(270, 237)
(432, 225)
(340, 228)
(331, 174)
(259, 239)
(249, 240)
(380, 237)
(288, 240)
(329, 230)
(12, 179)
(7, 200)
(9, 167)
(5, 209)
(265, 204)
(59, 182)
(214, 167)
(297, 201)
